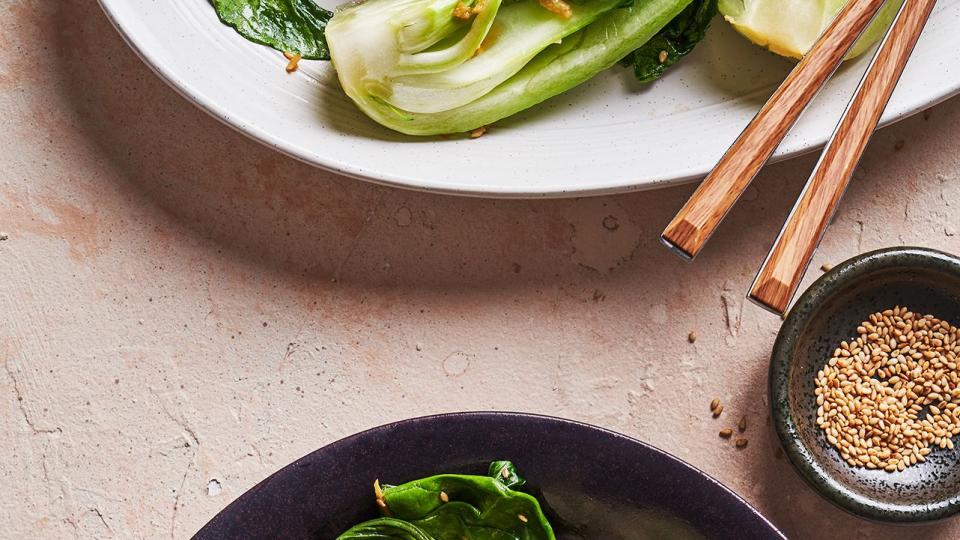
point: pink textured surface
(183, 311)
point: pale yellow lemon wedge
(790, 27)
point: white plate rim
(895, 112)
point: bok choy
(427, 67)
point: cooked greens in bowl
(582, 483)
(457, 506)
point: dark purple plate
(593, 484)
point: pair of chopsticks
(787, 261)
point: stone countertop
(184, 311)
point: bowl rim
(824, 288)
(486, 417)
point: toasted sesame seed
(741, 443)
(714, 404)
(522, 518)
(888, 396)
(717, 411)
(726, 433)
(692, 336)
(558, 7)
(663, 56)
(444, 497)
(742, 424)
(826, 267)
(462, 12)
(505, 473)
(293, 61)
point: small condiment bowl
(925, 281)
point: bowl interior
(593, 484)
(926, 283)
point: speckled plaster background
(183, 312)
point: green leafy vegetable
(427, 67)
(415, 56)
(385, 528)
(506, 472)
(529, 55)
(674, 42)
(286, 25)
(456, 506)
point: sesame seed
(714, 404)
(444, 497)
(692, 336)
(887, 397)
(726, 433)
(522, 518)
(558, 7)
(293, 61)
(462, 12)
(741, 443)
(742, 424)
(479, 132)
(505, 473)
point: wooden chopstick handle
(784, 267)
(697, 220)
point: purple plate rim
(223, 515)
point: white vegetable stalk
(415, 67)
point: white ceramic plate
(609, 135)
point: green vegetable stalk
(427, 67)
(533, 55)
(455, 506)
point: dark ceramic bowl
(593, 484)
(926, 281)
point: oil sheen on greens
(295, 26)
(478, 507)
